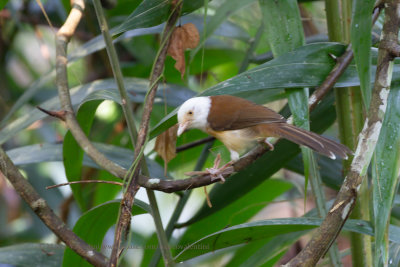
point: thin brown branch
(57, 114)
(123, 225)
(70, 119)
(392, 48)
(346, 198)
(85, 182)
(22, 186)
(342, 63)
(194, 144)
(46, 214)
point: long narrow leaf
(361, 25)
(385, 173)
(248, 232)
(94, 224)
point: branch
(46, 214)
(62, 39)
(342, 63)
(155, 183)
(194, 144)
(132, 186)
(346, 198)
(85, 182)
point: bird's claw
(269, 144)
(216, 172)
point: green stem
(113, 57)
(182, 202)
(252, 47)
(162, 238)
(350, 120)
(127, 109)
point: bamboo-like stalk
(349, 113)
(181, 203)
(345, 200)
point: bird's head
(193, 114)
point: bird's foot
(216, 172)
(270, 146)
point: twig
(85, 182)
(345, 200)
(123, 224)
(66, 106)
(23, 187)
(342, 63)
(194, 144)
(46, 214)
(57, 114)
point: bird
(239, 123)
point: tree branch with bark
(346, 198)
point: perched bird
(238, 123)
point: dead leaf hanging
(166, 145)
(182, 38)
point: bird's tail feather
(314, 141)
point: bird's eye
(190, 112)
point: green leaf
(385, 173)
(153, 12)
(93, 225)
(27, 95)
(35, 254)
(331, 170)
(361, 26)
(73, 153)
(238, 211)
(221, 14)
(283, 25)
(53, 152)
(308, 66)
(248, 232)
(226, 29)
(244, 181)
(100, 89)
(3, 3)
(273, 248)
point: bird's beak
(182, 127)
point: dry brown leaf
(192, 36)
(166, 145)
(182, 38)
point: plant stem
(345, 200)
(46, 214)
(182, 202)
(252, 47)
(348, 109)
(127, 109)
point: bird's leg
(215, 172)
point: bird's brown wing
(233, 113)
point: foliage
(237, 41)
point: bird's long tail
(312, 140)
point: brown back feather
(232, 113)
